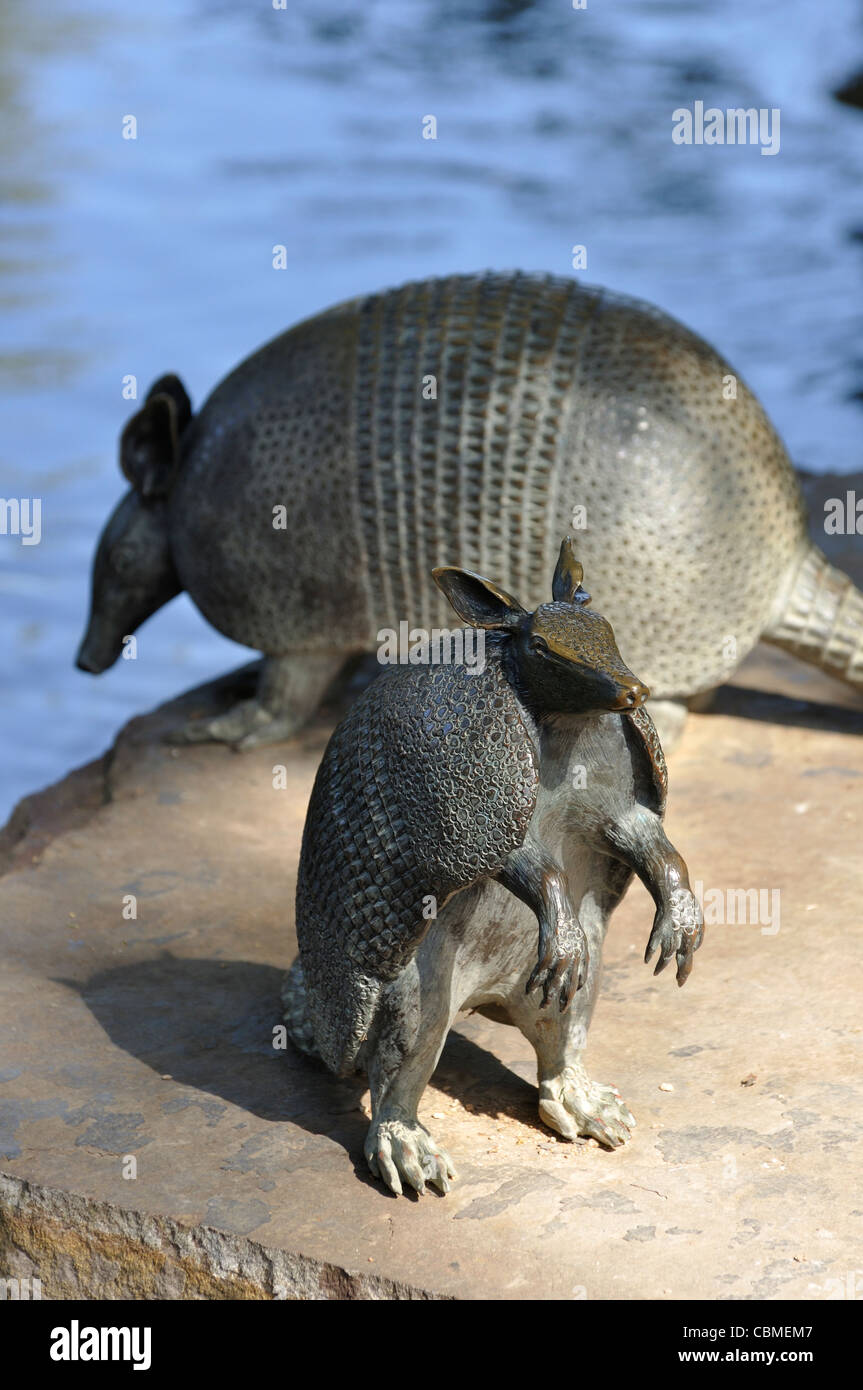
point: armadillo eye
(539, 646)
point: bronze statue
(476, 418)
(456, 809)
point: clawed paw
(563, 965)
(677, 932)
(577, 1107)
(397, 1151)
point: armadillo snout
(632, 696)
(96, 653)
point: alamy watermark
(20, 1290)
(844, 516)
(21, 516)
(442, 646)
(848, 1286)
(77, 1343)
(736, 126)
(740, 906)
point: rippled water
(303, 127)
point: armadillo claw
(246, 725)
(563, 965)
(678, 931)
(397, 1151)
(575, 1106)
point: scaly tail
(295, 1006)
(297, 1017)
(819, 618)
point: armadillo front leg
(532, 875)
(290, 688)
(639, 840)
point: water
(302, 127)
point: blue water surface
(302, 126)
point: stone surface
(152, 1038)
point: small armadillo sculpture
(467, 419)
(455, 808)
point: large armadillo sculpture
(473, 419)
(457, 810)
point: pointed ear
(568, 574)
(477, 600)
(171, 385)
(149, 447)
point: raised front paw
(678, 931)
(562, 965)
(398, 1151)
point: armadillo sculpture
(457, 810)
(475, 419)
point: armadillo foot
(575, 1106)
(247, 725)
(678, 930)
(398, 1151)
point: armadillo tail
(296, 1011)
(819, 618)
(330, 1017)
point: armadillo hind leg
(290, 688)
(404, 1045)
(819, 618)
(569, 1102)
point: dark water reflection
(302, 127)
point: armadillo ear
(171, 385)
(478, 601)
(150, 448)
(568, 574)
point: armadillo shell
(427, 785)
(461, 421)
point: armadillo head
(133, 572)
(133, 575)
(566, 656)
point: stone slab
(152, 1039)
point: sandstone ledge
(152, 1038)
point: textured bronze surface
(471, 420)
(446, 797)
(426, 786)
(550, 395)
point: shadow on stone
(209, 1024)
(483, 1084)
